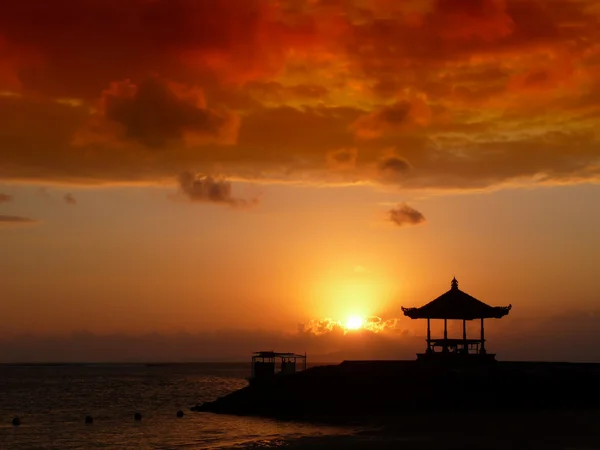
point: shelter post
(428, 335)
(445, 349)
(482, 338)
(465, 343)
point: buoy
(137, 416)
(16, 422)
(179, 413)
(89, 419)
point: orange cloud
(371, 324)
(470, 94)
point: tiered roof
(456, 304)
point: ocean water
(52, 402)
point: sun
(354, 322)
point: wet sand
(573, 430)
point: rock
(137, 416)
(89, 419)
(16, 421)
(179, 413)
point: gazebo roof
(456, 304)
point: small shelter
(264, 364)
(456, 305)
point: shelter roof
(273, 354)
(456, 304)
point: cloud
(473, 94)
(5, 198)
(279, 94)
(15, 220)
(371, 324)
(396, 117)
(69, 199)
(480, 19)
(571, 337)
(342, 158)
(405, 215)
(392, 168)
(156, 113)
(209, 190)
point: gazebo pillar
(445, 335)
(465, 345)
(482, 350)
(428, 335)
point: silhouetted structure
(456, 305)
(263, 364)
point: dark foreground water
(53, 401)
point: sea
(52, 402)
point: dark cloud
(393, 168)
(154, 114)
(343, 158)
(396, 117)
(210, 190)
(405, 215)
(4, 198)
(15, 220)
(69, 199)
(395, 114)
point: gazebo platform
(456, 358)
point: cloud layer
(15, 220)
(571, 337)
(441, 94)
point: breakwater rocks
(368, 391)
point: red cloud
(476, 19)
(471, 93)
(395, 117)
(82, 45)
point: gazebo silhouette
(456, 305)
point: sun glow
(354, 323)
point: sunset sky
(184, 179)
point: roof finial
(454, 283)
